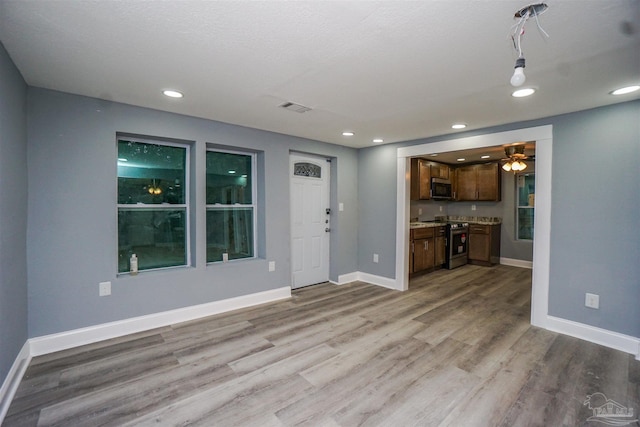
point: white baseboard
(516, 262)
(385, 282)
(343, 279)
(12, 381)
(77, 337)
(610, 339)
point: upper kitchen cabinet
(421, 173)
(439, 170)
(420, 179)
(479, 182)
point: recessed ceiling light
(378, 140)
(122, 159)
(625, 90)
(461, 159)
(486, 156)
(348, 133)
(523, 92)
(231, 172)
(172, 93)
(458, 126)
(434, 155)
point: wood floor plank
(456, 349)
(203, 407)
(489, 401)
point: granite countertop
(426, 224)
(482, 220)
(442, 220)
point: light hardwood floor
(455, 350)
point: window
(152, 204)
(231, 205)
(525, 197)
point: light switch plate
(225, 257)
(272, 266)
(341, 207)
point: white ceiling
(397, 70)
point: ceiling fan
(515, 156)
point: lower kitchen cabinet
(427, 248)
(484, 244)
(422, 249)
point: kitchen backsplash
(431, 209)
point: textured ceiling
(396, 70)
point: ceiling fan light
(507, 166)
(523, 165)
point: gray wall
(595, 237)
(595, 203)
(72, 213)
(13, 212)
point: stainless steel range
(457, 244)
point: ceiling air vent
(295, 107)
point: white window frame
(253, 205)
(163, 206)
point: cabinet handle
(426, 245)
(412, 247)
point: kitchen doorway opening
(543, 135)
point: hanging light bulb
(518, 77)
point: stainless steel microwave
(441, 189)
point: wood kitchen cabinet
(422, 249)
(420, 179)
(481, 182)
(421, 173)
(484, 244)
(427, 251)
(439, 170)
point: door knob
(327, 229)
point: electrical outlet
(104, 289)
(272, 266)
(375, 258)
(341, 207)
(440, 208)
(473, 207)
(225, 257)
(592, 301)
(419, 211)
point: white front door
(309, 219)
